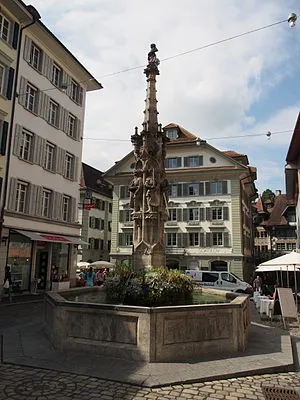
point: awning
(49, 237)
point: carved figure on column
(136, 191)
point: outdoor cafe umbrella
(102, 264)
(288, 262)
(83, 264)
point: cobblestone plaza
(23, 383)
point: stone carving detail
(149, 186)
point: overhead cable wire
(178, 54)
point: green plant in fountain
(152, 287)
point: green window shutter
(80, 95)
(201, 213)
(225, 213)
(200, 160)
(39, 194)
(61, 114)
(185, 189)
(185, 214)
(184, 239)
(226, 239)
(15, 37)
(208, 213)
(32, 200)
(22, 91)
(179, 189)
(179, 240)
(208, 239)
(121, 239)
(3, 137)
(201, 188)
(77, 129)
(185, 161)
(123, 192)
(75, 168)
(12, 194)
(201, 239)
(224, 187)
(73, 209)
(65, 120)
(121, 216)
(179, 214)
(10, 82)
(207, 188)
(17, 140)
(27, 49)
(59, 202)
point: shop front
(42, 261)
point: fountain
(153, 334)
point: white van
(219, 280)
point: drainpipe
(35, 17)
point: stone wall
(152, 334)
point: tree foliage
(267, 195)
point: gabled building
(95, 214)
(275, 227)
(292, 174)
(40, 229)
(210, 206)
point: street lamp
(292, 18)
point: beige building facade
(209, 225)
(41, 228)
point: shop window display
(60, 262)
(19, 260)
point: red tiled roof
(260, 206)
(186, 136)
(276, 213)
(232, 153)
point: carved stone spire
(149, 186)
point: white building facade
(210, 217)
(41, 214)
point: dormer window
(172, 134)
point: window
(71, 125)
(69, 161)
(174, 162)
(128, 239)
(193, 161)
(74, 91)
(172, 214)
(96, 244)
(56, 75)
(173, 190)
(2, 78)
(216, 188)
(291, 246)
(35, 57)
(46, 198)
(50, 152)
(217, 238)
(53, 113)
(171, 239)
(209, 277)
(110, 208)
(4, 28)
(66, 208)
(228, 277)
(193, 189)
(280, 246)
(216, 213)
(21, 198)
(31, 98)
(97, 223)
(194, 239)
(194, 214)
(172, 134)
(26, 145)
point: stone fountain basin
(153, 334)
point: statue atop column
(149, 185)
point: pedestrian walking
(7, 283)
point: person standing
(90, 277)
(257, 284)
(7, 283)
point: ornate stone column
(149, 186)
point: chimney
(277, 192)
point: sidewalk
(20, 298)
(25, 343)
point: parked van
(219, 280)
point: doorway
(41, 269)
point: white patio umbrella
(103, 264)
(82, 264)
(288, 262)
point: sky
(241, 89)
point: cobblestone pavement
(23, 383)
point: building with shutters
(41, 231)
(95, 214)
(210, 206)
